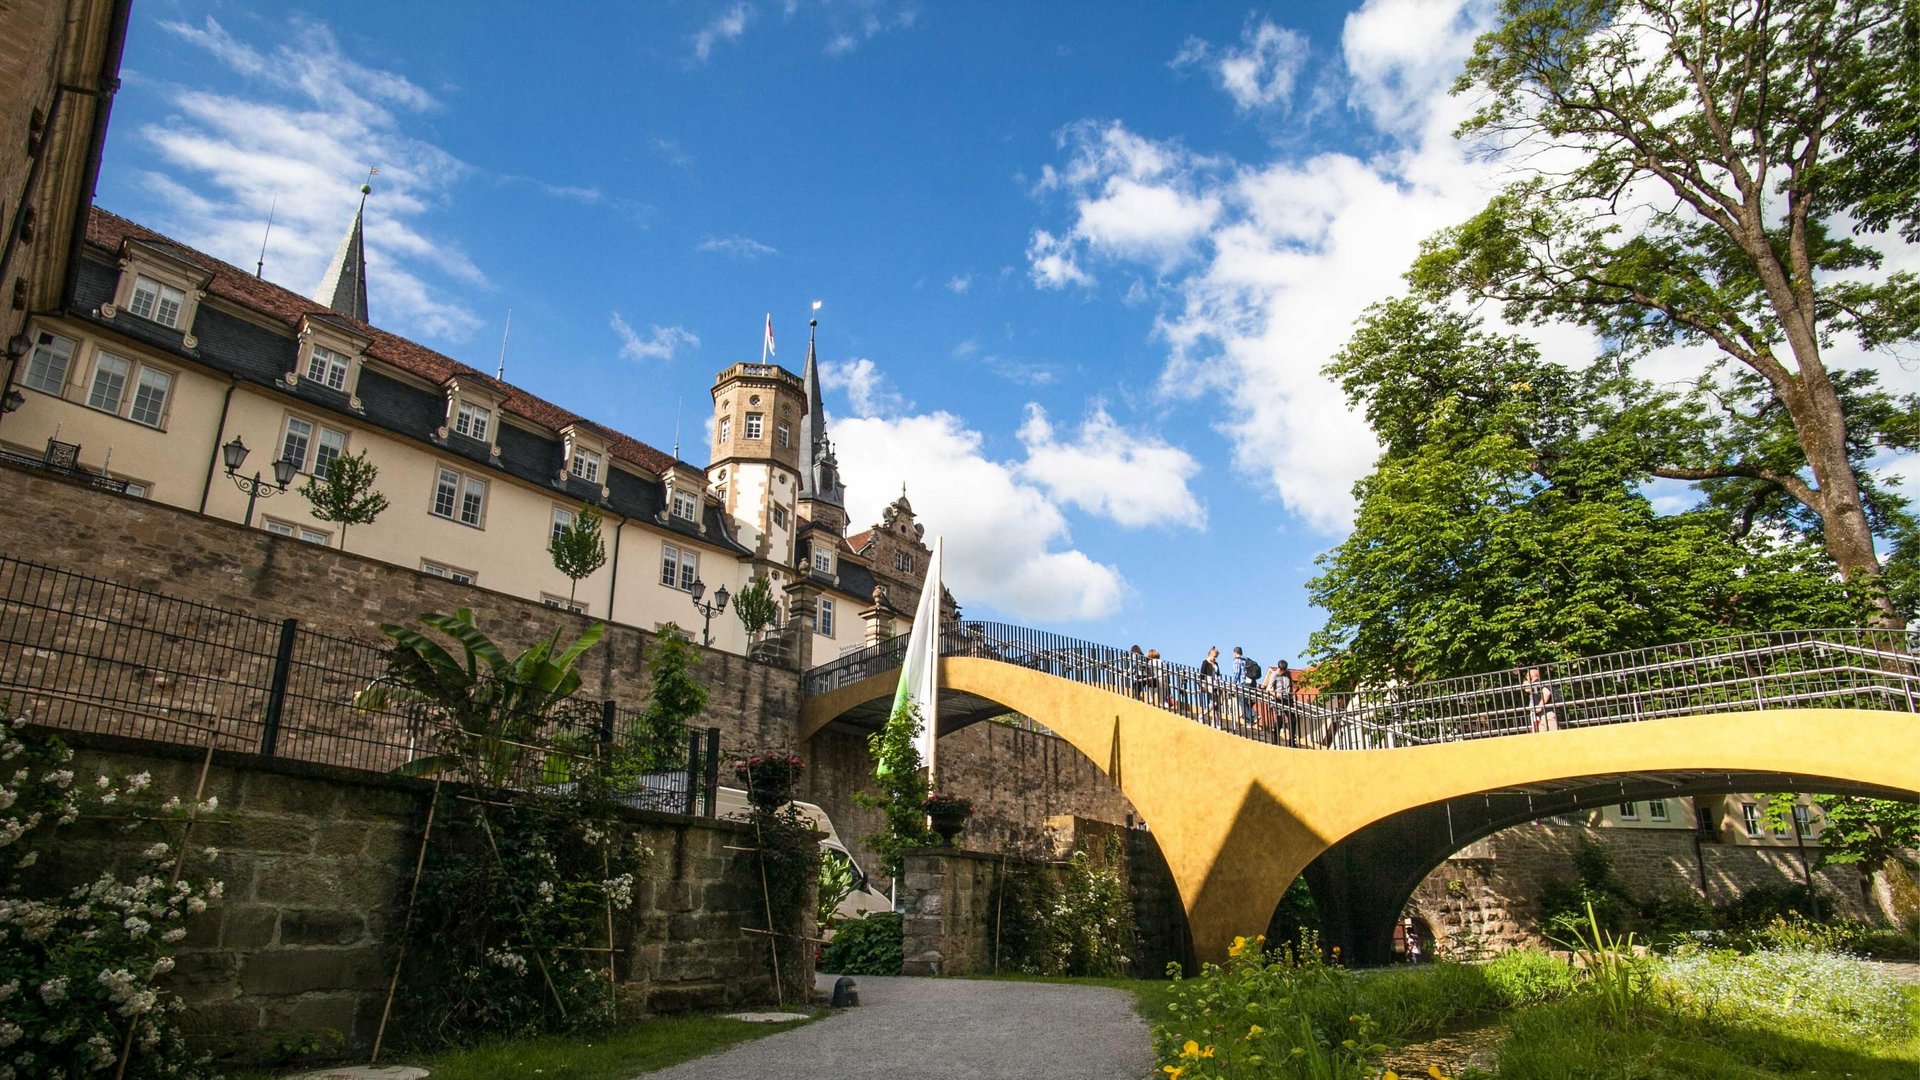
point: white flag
(920, 667)
(766, 345)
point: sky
(1079, 265)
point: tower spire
(819, 471)
(344, 289)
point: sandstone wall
(316, 864)
(1492, 889)
(948, 900)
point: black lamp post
(255, 486)
(708, 611)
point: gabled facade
(164, 355)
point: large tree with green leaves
(1504, 525)
(1715, 173)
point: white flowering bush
(79, 968)
(1787, 987)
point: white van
(864, 899)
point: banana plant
(491, 707)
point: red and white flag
(766, 347)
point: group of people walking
(1239, 692)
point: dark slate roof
(258, 355)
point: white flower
(137, 927)
(171, 804)
(139, 781)
(103, 783)
(6, 798)
(195, 905)
(162, 965)
(9, 1033)
(109, 797)
(8, 989)
(53, 991)
(212, 804)
(157, 851)
(172, 936)
(29, 859)
(213, 853)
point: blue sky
(1080, 264)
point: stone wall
(316, 862)
(948, 899)
(1491, 889)
(1018, 778)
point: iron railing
(86, 654)
(1850, 668)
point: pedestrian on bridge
(1246, 674)
(1210, 683)
(1543, 704)
(1280, 685)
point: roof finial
(260, 266)
(501, 372)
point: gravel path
(949, 1029)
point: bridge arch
(1238, 819)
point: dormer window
(472, 421)
(327, 367)
(586, 465)
(756, 426)
(153, 300)
(822, 560)
(685, 506)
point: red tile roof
(230, 283)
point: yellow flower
(1238, 947)
(1174, 1071)
(1390, 1075)
(1434, 1071)
(1254, 1030)
(1192, 1050)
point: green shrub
(869, 946)
(1529, 977)
(1888, 945)
(1755, 908)
(1079, 922)
(1409, 1003)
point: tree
(755, 607)
(1694, 167)
(578, 550)
(673, 701)
(903, 787)
(1503, 524)
(345, 495)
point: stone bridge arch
(1238, 820)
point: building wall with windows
(164, 355)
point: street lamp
(255, 486)
(708, 611)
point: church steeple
(344, 289)
(819, 470)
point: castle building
(160, 358)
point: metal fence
(87, 654)
(1842, 668)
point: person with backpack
(1280, 685)
(1247, 674)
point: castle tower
(758, 410)
(344, 289)
(823, 498)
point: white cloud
(1404, 54)
(855, 24)
(726, 27)
(741, 247)
(1005, 541)
(1133, 478)
(1145, 221)
(865, 386)
(1052, 264)
(660, 342)
(960, 283)
(300, 147)
(1258, 74)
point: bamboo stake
(179, 863)
(999, 902)
(613, 980)
(499, 860)
(406, 926)
(766, 901)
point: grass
(653, 1044)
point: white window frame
(686, 506)
(779, 516)
(1750, 817)
(138, 489)
(465, 486)
(473, 421)
(578, 607)
(39, 369)
(824, 617)
(451, 573)
(325, 365)
(149, 298)
(822, 560)
(1657, 810)
(133, 390)
(903, 562)
(585, 464)
(295, 531)
(1803, 821)
(1629, 811)
(726, 429)
(783, 434)
(756, 427)
(562, 521)
(679, 567)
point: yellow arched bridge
(1366, 793)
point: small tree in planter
(755, 607)
(578, 550)
(345, 495)
(769, 778)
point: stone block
(216, 1017)
(277, 793)
(249, 926)
(285, 972)
(253, 834)
(202, 976)
(315, 1012)
(303, 926)
(341, 840)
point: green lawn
(653, 1044)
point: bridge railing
(1854, 668)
